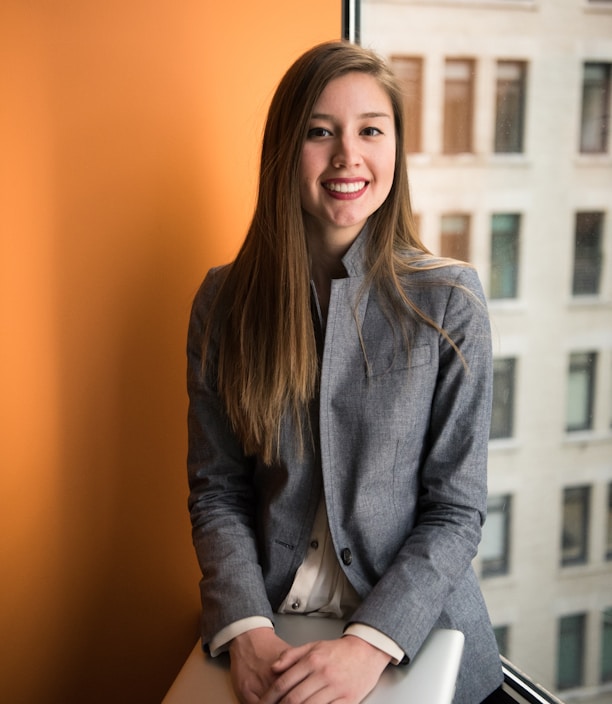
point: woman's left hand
(344, 670)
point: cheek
(390, 167)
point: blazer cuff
(220, 641)
(377, 639)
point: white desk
(430, 677)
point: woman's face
(348, 158)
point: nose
(347, 152)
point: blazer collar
(354, 259)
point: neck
(326, 263)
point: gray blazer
(400, 456)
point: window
(501, 636)
(455, 237)
(575, 532)
(494, 547)
(595, 122)
(609, 538)
(606, 646)
(516, 84)
(504, 256)
(458, 105)
(587, 253)
(409, 72)
(581, 389)
(510, 106)
(570, 655)
(502, 417)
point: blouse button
(296, 605)
(314, 544)
(347, 556)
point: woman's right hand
(251, 655)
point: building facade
(510, 164)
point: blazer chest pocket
(397, 358)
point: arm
(235, 609)
(221, 499)
(412, 593)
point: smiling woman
(340, 386)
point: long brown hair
(267, 358)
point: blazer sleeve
(434, 560)
(221, 494)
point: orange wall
(128, 150)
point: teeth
(346, 187)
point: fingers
(344, 670)
(290, 657)
(295, 686)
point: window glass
(494, 548)
(570, 660)
(458, 105)
(510, 100)
(502, 417)
(574, 537)
(606, 646)
(609, 522)
(501, 636)
(504, 255)
(595, 123)
(409, 71)
(455, 237)
(587, 253)
(580, 388)
(513, 173)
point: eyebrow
(366, 115)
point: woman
(340, 389)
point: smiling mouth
(345, 187)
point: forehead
(354, 90)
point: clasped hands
(267, 670)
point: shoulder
(441, 277)
(209, 288)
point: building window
(494, 548)
(581, 391)
(409, 72)
(609, 539)
(587, 253)
(570, 654)
(504, 256)
(575, 532)
(606, 646)
(510, 106)
(502, 416)
(501, 636)
(455, 237)
(458, 105)
(595, 123)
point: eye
(318, 132)
(371, 132)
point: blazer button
(347, 556)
